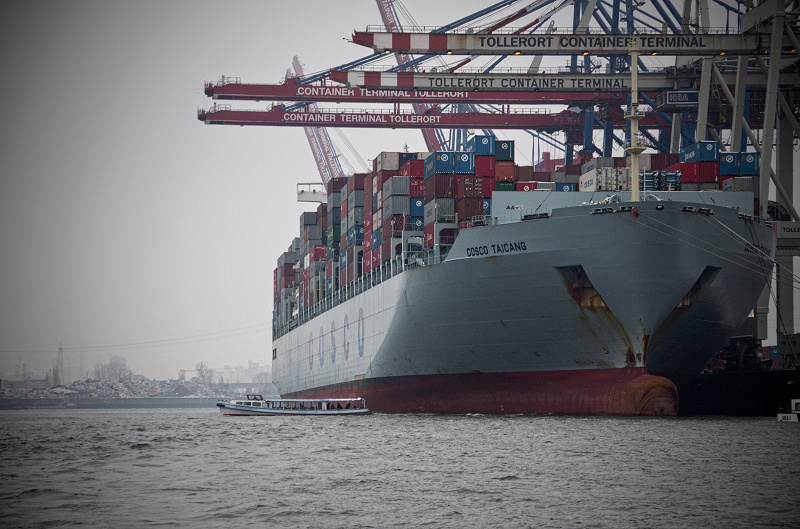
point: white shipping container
(588, 181)
(397, 185)
(396, 205)
(389, 161)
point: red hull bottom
(624, 392)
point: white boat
(257, 405)
(793, 414)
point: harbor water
(196, 468)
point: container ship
(461, 282)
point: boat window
(246, 403)
(257, 404)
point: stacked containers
(439, 187)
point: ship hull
(577, 313)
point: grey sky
(123, 219)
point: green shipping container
(504, 186)
(333, 234)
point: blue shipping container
(749, 164)
(482, 145)
(729, 163)
(417, 207)
(465, 163)
(329, 285)
(439, 163)
(417, 223)
(566, 186)
(701, 151)
(355, 235)
(487, 206)
(504, 150)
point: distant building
(31, 383)
(254, 372)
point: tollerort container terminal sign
(562, 44)
(788, 242)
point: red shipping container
(541, 176)
(317, 253)
(335, 184)
(356, 181)
(469, 186)
(329, 269)
(467, 208)
(369, 187)
(413, 168)
(376, 257)
(504, 171)
(620, 161)
(367, 261)
(484, 166)
(417, 186)
(709, 172)
(343, 209)
(690, 172)
(488, 187)
(525, 173)
(428, 241)
(399, 225)
(440, 185)
(572, 169)
(526, 186)
(367, 225)
(388, 250)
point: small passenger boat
(257, 405)
(794, 412)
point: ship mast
(634, 149)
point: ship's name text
(494, 249)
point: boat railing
(375, 276)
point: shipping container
(504, 186)
(308, 218)
(524, 173)
(659, 162)
(335, 184)
(367, 262)
(729, 163)
(355, 217)
(482, 145)
(369, 219)
(355, 235)
(525, 186)
(504, 150)
(440, 186)
(446, 236)
(417, 223)
(333, 234)
(701, 151)
(487, 206)
(394, 225)
(504, 171)
(749, 164)
(566, 186)
(356, 181)
(442, 162)
(709, 172)
(396, 205)
(484, 166)
(469, 186)
(414, 168)
(396, 186)
(311, 233)
(417, 188)
(468, 208)
(355, 199)
(387, 160)
(440, 210)
(488, 186)
(417, 207)
(464, 163)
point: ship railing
(388, 269)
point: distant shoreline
(77, 403)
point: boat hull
(578, 313)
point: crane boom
(277, 116)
